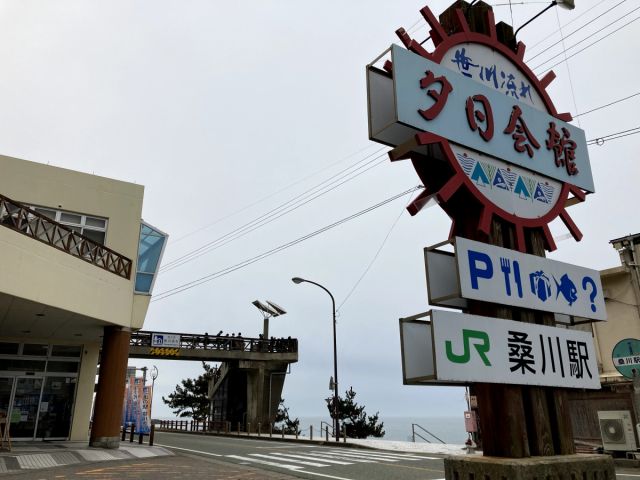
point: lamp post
(298, 280)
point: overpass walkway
(184, 346)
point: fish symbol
(567, 288)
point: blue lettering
(476, 261)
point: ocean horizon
(449, 429)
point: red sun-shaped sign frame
(449, 185)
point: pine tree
(356, 422)
(283, 421)
(190, 399)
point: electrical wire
(212, 276)
(577, 29)
(283, 209)
(607, 105)
(375, 257)
(613, 136)
(588, 46)
(287, 187)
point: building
(78, 266)
(621, 289)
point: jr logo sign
(477, 338)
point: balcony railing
(22, 219)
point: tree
(355, 420)
(191, 398)
(284, 422)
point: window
(94, 228)
(150, 249)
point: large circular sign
(626, 357)
(477, 183)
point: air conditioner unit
(616, 429)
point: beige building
(621, 290)
(77, 271)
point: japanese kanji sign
(165, 340)
(471, 348)
(626, 357)
(499, 275)
(433, 98)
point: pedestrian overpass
(248, 385)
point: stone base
(105, 442)
(561, 467)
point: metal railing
(206, 342)
(22, 219)
(415, 434)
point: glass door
(6, 386)
(24, 414)
(55, 408)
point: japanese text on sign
(470, 348)
(433, 98)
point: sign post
(490, 147)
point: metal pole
(335, 356)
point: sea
(448, 429)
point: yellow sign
(166, 352)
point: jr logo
(481, 344)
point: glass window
(71, 218)
(94, 235)
(22, 365)
(35, 349)
(150, 249)
(66, 351)
(95, 222)
(56, 407)
(67, 367)
(46, 212)
(9, 348)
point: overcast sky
(224, 111)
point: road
(308, 461)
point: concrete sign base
(549, 468)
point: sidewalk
(38, 455)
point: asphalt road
(308, 461)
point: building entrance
(37, 392)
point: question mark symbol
(594, 290)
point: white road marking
(337, 455)
(189, 450)
(626, 475)
(407, 456)
(276, 457)
(367, 457)
(286, 467)
(311, 457)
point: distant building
(78, 266)
(621, 289)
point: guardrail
(416, 434)
(22, 219)
(222, 343)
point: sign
(165, 340)
(417, 356)
(626, 357)
(471, 348)
(164, 352)
(430, 97)
(499, 275)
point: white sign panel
(165, 340)
(499, 275)
(417, 352)
(470, 348)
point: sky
(226, 111)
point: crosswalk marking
(402, 456)
(265, 462)
(312, 457)
(331, 455)
(366, 456)
(302, 462)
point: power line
(373, 260)
(268, 253)
(588, 46)
(246, 207)
(272, 215)
(613, 136)
(579, 28)
(607, 105)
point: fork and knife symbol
(505, 266)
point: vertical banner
(136, 408)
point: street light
(268, 311)
(335, 355)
